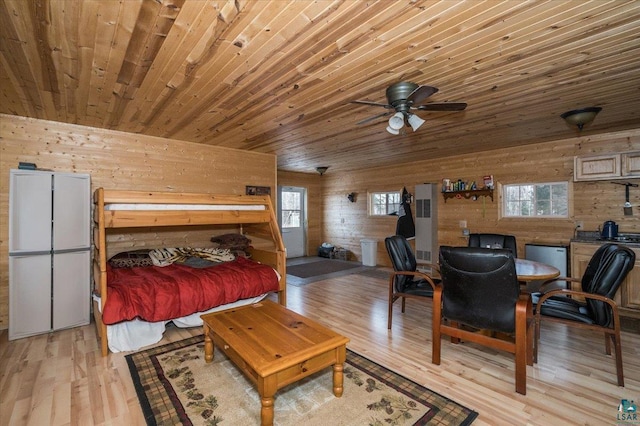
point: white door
(293, 219)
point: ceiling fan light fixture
(415, 122)
(581, 117)
(396, 122)
(393, 131)
(404, 96)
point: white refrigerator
(554, 255)
(49, 251)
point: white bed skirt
(135, 334)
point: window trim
(502, 198)
(370, 195)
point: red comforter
(159, 294)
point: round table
(529, 270)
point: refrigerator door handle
(29, 253)
(71, 250)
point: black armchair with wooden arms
(491, 240)
(606, 270)
(479, 293)
(406, 281)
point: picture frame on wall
(258, 190)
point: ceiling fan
(403, 97)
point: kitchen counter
(593, 237)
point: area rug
(321, 267)
(175, 386)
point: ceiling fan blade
(366, 120)
(421, 93)
(445, 106)
(372, 103)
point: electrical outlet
(579, 225)
(463, 224)
(465, 232)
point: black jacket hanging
(405, 226)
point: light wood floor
(61, 378)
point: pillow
(233, 242)
(131, 259)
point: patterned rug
(175, 386)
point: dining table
(530, 270)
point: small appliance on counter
(609, 230)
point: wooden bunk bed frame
(262, 223)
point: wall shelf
(468, 194)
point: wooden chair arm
(524, 305)
(610, 302)
(553, 280)
(568, 292)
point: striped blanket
(167, 256)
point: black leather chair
(406, 281)
(606, 270)
(480, 292)
(489, 240)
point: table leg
(208, 346)
(338, 379)
(338, 367)
(266, 412)
(267, 388)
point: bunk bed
(117, 210)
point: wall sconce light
(322, 169)
(580, 117)
(352, 197)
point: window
(291, 207)
(384, 203)
(536, 200)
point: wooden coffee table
(274, 347)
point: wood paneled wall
(130, 161)
(347, 223)
(120, 160)
(313, 184)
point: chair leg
(436, 346)
(454, 340)
(436, 322)
(392, 299)
(536, 339)
(403, 303)
(530, 342)
(521, 365)
(618, 349)
(607, 342)
(523, 316)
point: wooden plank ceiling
(278, 76)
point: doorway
(292, 215)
